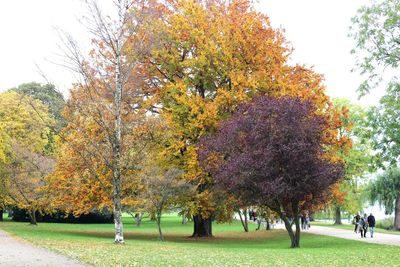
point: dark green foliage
(21, 215)
(386, 188)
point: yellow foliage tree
(24, 124)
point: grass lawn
(351, 227)
(231, 246)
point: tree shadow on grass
(276, 239)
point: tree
(48, 95)
(386, 191)
(273, 152)
(356, 152)
(375, 30)
(27, 173)
(383, 128)
(104, 112)
(25, 128)
(162, 190)
(214, 56)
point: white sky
(317, 30)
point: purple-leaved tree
(272, 152)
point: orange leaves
(338, 195)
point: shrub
(385, 224)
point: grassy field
(231, 246)
(351, 227)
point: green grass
(351, 227)
(231, 246)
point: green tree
(376, 32)
(386, 190)
(383, 128)
(357, 158)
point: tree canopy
(375, 30)
(272, 152)
(386, 191)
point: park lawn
(351, 227)
(93, 244)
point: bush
(21, 215)
(387, 223)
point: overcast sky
(317, 30)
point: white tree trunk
(119, 235)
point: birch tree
(104, 109)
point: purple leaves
(271, 151)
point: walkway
(379, 238)
(14, 253)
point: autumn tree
(273, 152)
(161, 192)
(48, 95)
(27, 173)
(104, 115)
(25, 129)
(214, 56)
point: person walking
(361, 224)
(371, 223)
(356, 219)
(365, 219)
(307, 222)
(302, 220)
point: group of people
(305, 221)
(362, 224)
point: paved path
(14, 253)
(379, 238)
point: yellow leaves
(25, 120)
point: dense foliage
(272, 152)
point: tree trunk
(396, 225)
(338, 215)
(297, 234)
(289, 229)
(32, 215)
(1, 214)
(117, 140)
(268, 227)
(296, 218)
(158, 219)
(202, 227)
(244, 221)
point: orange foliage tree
(214, 56)
(100, 146)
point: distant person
(371, 223)
(356, 219)
(365, 224)
(307, 222)
(302, 220)
(361, 225)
